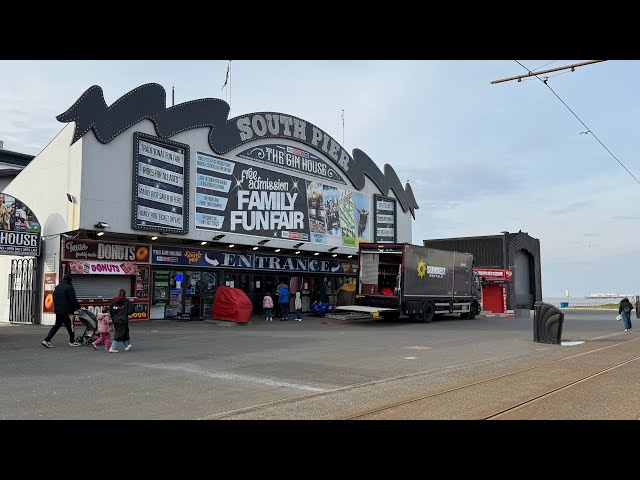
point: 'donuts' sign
(19, 228)
(103, 268)
(114, 252)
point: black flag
(226, 79)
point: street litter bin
(564, 304)
(547, 323)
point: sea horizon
(583, 301)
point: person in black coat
(64, 304)
(624, 309)
(120, 310)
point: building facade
(509, 265)
(170, 203)
(11, 164)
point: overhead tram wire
(538, 68)
(584, 124)
(550, 76)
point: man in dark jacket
(120, 310)
(64, 304)
(624, 309)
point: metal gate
(22, 291)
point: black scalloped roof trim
(148, 101)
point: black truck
(420, 282)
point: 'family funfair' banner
(235, 197)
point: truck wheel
(474, 310)
(428, 312)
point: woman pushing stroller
(120, 310)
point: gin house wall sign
(90, 112)
(19, 228)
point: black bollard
(547, 323)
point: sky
(480, 158)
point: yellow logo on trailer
(422, 269)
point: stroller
(319, 309)
(91, 327)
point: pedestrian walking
(298, 307)
(624, 309)
(105, 326)
(267, 304)
(120, 310)
(65, 304)
(283, 301)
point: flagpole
(343, 127)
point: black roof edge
(15, 158)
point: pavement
(325, 369)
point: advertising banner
(292, 158)
(94, 250)
(338, 217)
(237, 198)
(317, 213)
(384, 219)
(297, 264)
(203, 257)
(331, 207)
(103, 268)
(347, 218)
(47, 292)
(234, 197)
(19, 228)
(362, 209)
(199, 257)
(160, 185)
(494, 273)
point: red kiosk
(494, 288)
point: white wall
(45, 181)
(405, 222)
(107, 176)
(43, 186)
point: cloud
(480, 158)
(625, 217)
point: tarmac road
(315, 370)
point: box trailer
(420, 282)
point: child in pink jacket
(105, 325)
(267, 304)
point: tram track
(344, 402)
(379, 413)
(559, 389)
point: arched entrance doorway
(524, 283)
